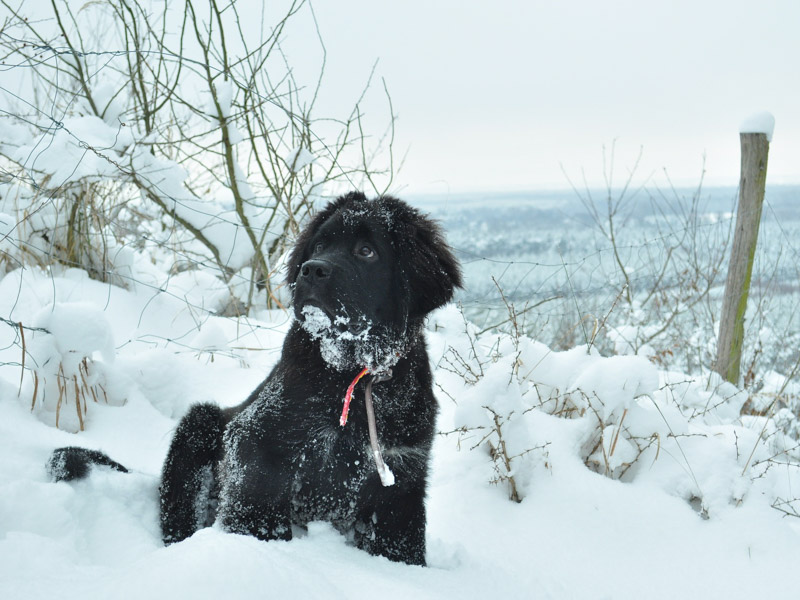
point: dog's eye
(366, 251)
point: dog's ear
(431, 270)
(299, 255)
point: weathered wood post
(755, 136)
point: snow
(384, 472)
(299, 158)
(165, 180)
(332, 342)
(7, 225)
(77, 148)
(78, 329)
(690, 515)
(760, 122)
(224, 96)
(346, 342)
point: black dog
(365, 273)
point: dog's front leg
(254, 498)
(391, 521)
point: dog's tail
(72, 462)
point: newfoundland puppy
(364, 274)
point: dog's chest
(329, 474)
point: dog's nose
(316, 269)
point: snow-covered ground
(678, 501)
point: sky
(522, 94)
(534, 94)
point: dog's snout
(316, 269)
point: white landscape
(693, 516)
(586, 449)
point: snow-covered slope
(691, 517)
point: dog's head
(374, 266)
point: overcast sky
(499, 95)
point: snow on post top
(760, 122)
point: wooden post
(755, 150)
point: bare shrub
(175, 128)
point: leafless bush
(669, 301)
(174, 126)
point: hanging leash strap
(387, 477)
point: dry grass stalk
(78, 401)
(616, 436)
(82, 390)
(22, 372)
(60, 392)
(35, 389)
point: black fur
(372, 270)
(188, 480)
(73, 462)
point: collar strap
(349, 396)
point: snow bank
(531, 408)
